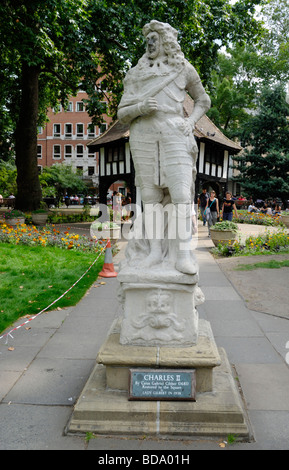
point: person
(266, 210)
(228, 207)
(202, 203)
(277, 209)
(212, 211)
(116, 204)
(252, 207)
(67, 200)
(162, 143)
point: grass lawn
(272, 264)
(31, 278)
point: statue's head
(162, 39)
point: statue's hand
(148, 106)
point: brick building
(64, 139)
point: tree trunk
(28, 186)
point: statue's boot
(185, 261)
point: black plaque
(162, 384)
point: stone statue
(162, 143)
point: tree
(233, 93)
(264, 165)
(63, 179)
(51, 48)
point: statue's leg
(180, 180)
(153, 217)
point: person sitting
(266, 210)
(277, 209)
(252, 208)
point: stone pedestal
(118, 359)
(104, 406)
(159, 307)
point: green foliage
(264, 165)
(225, 225)
(62, 178)
(74, 43)
(7, 178)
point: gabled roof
(205, 130)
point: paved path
(42, 377)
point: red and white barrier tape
(54, 302)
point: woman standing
(228, 207)
(212, 210)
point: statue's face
(153, 45)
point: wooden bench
(7, 202)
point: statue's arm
(201, 99)
(126, 114)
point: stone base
(119, 358)
(104, 408)
(109, 412)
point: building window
(121, 154)
(79, 130)
(91, 155)
(68, 151)
(39, 130)
(68, 130)
(79, 151)
(115, 154)
(39, 151)
(90, 131)
(56, 151)
(91, 170)
(56, 130)
(70, 107)
(79, 106)
(109, 155)
(79, 170)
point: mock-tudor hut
(115, 161)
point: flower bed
(257, 218)
(268, 243)
(48, 236)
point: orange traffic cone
(108, 268)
